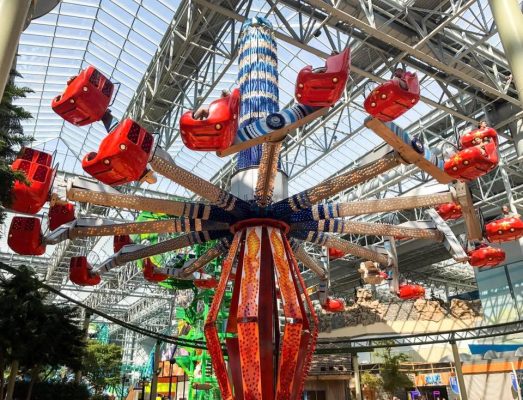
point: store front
(431, 387)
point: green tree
(59, 342)
(393, 378)
(11, 138)
(20, 301)
(371, 381)
(102, 365)
(33, 334)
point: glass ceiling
(120, 37)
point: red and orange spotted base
(266, 361)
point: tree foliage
(102, 365)
(393, 378)
(371, 381)
(34, 334)
(11, 137)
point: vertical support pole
(390, 246)
(14, 14)
(459, 371)
(171, 362)
(85, 329)
(509, 21)
(156, 372)
(506, 184)
(357, 377)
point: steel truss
(344, 345)
(464, 77)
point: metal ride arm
(335, 185)
(164, 165)
(274, 136)
(474, 229)
(140, 203)
(267, 173)
(323, 239)
(108, 228)
(335, 210)
(220, 249)
(309, 262)
(367, 228)
(412, 153)
(136, 252)
(452, 243)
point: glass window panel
(83, 34)
(113, 23)
(494, 292)
(109, 34)
(119, 13)
(515, 271)
(151, 20)
(147, 32)
(131, 6)
(78, 10)
(67, 21)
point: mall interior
(261, 199)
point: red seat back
(486, 256)
(389, 100)
(120, 241)
(149, 274)
(504, 230)
(408, 292)
(210, 283)
(334, 305)
(122, 156)
(218, 130)
(473, 162)
(80, 272)
(335, 253)
(35, 156)
(25, 236)
(449, 211)
(324, 88)
(31, 198)
(85, 98)
(478, 136)
(60, 214)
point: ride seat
(449, 211)
(122, 156)
(409, 292)
(323, 87)
(120, 241)
(80, 272)
(60, 214)
(25, 236)
(389, 100)
(486, 256)
(504, 230)
(218, 130)
(473, 162)
(149, 274)
(31, 198)
(85, 98)
(479, 136)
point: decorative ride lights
(267, 280)
(271, 329)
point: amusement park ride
(259, 227)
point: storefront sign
(438, 379)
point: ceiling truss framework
(453, 46)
